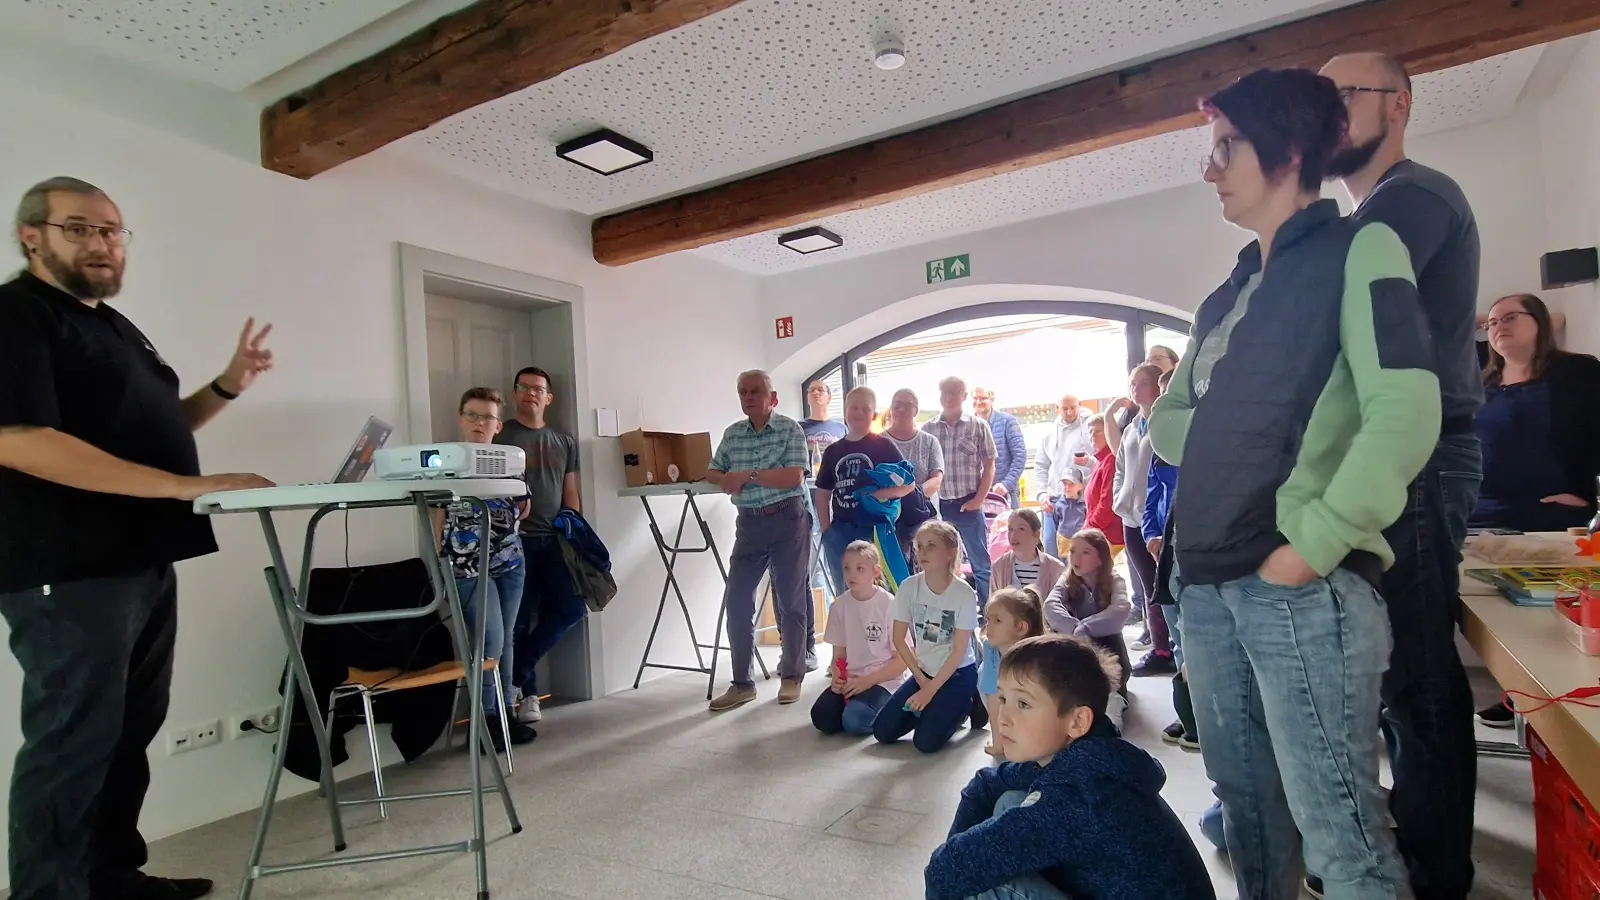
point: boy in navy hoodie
(1075, 811)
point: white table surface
(667, 490)
(313, 496)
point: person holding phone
(1061, 468)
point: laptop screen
(359, 460)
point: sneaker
(788, 692)
(811, 660)
(1115, 704)
(1173, 733)
(1142, 642)
(979, 715)
(734, 696)
(1497, 716)
(1189, 741)
(1155, 664)
(528, 711)
(1314, 886)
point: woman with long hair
(1299, 425)
(1540, 424)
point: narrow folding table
(669, 558)
(293, 616)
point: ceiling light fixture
(810, 240)
(605, 151)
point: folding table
(290, 605)
(669, 558)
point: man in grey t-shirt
(550, 605)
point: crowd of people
(1332, 423)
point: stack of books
(1536, 585)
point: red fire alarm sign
(786, 327)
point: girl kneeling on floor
(1091, 601)
(1013, 614)
(865, 670)
(940, 613)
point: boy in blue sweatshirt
(1075, 812)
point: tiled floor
(647, 795)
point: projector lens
(431, 459)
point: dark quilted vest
(1245, 434)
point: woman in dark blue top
(1538, 425)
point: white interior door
(470, 345)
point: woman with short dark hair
(1540, 424)
(1299, 427)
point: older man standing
(922, 450)
(97, 468)
(1427, 699)
(761, 464)
(969, 455)
(1062, 468)
(1011, 451)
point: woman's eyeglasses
(1221, 154)
(1509, 318)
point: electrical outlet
(263, 720)
(180, 740)
(208, 733)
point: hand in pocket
(1286, 568)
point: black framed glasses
(1221, 154)
(1509, 318)
(1346, 93)
(83, 232)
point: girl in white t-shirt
(939, 612)
(864, 671)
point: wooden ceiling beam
(481, 53)
(1111, 109)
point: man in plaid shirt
(761, 465)
(969, 455)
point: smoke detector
(890, 55)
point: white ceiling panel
(229, 43)
(769, 81)
(1444, 100)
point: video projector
(450, 460)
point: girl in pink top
(865, 670)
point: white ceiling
(768, 81)
(760, 84)
(229, 43)
(1449, 99)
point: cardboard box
(665, 457)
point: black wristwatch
(221, 392)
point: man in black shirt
(97, 470)
(1428, 702)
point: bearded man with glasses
(1427, 719)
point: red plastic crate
(1567, 831)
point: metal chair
(369, 684)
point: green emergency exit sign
(949, 268)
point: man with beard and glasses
(1427, 720)
(97, 470)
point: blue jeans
(840, 535)
(832, 713)
(1286, 687)
(974, 533)
(939, 720)
(1026, 887)
(1169, 614)
(1427, 720)
(551, 608)
(505, 598)
(1211, 826)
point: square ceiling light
(606, 152)
(811, 240)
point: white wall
(1569, 133)
(1169, 249)
(218, 239)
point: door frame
(423, 271)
